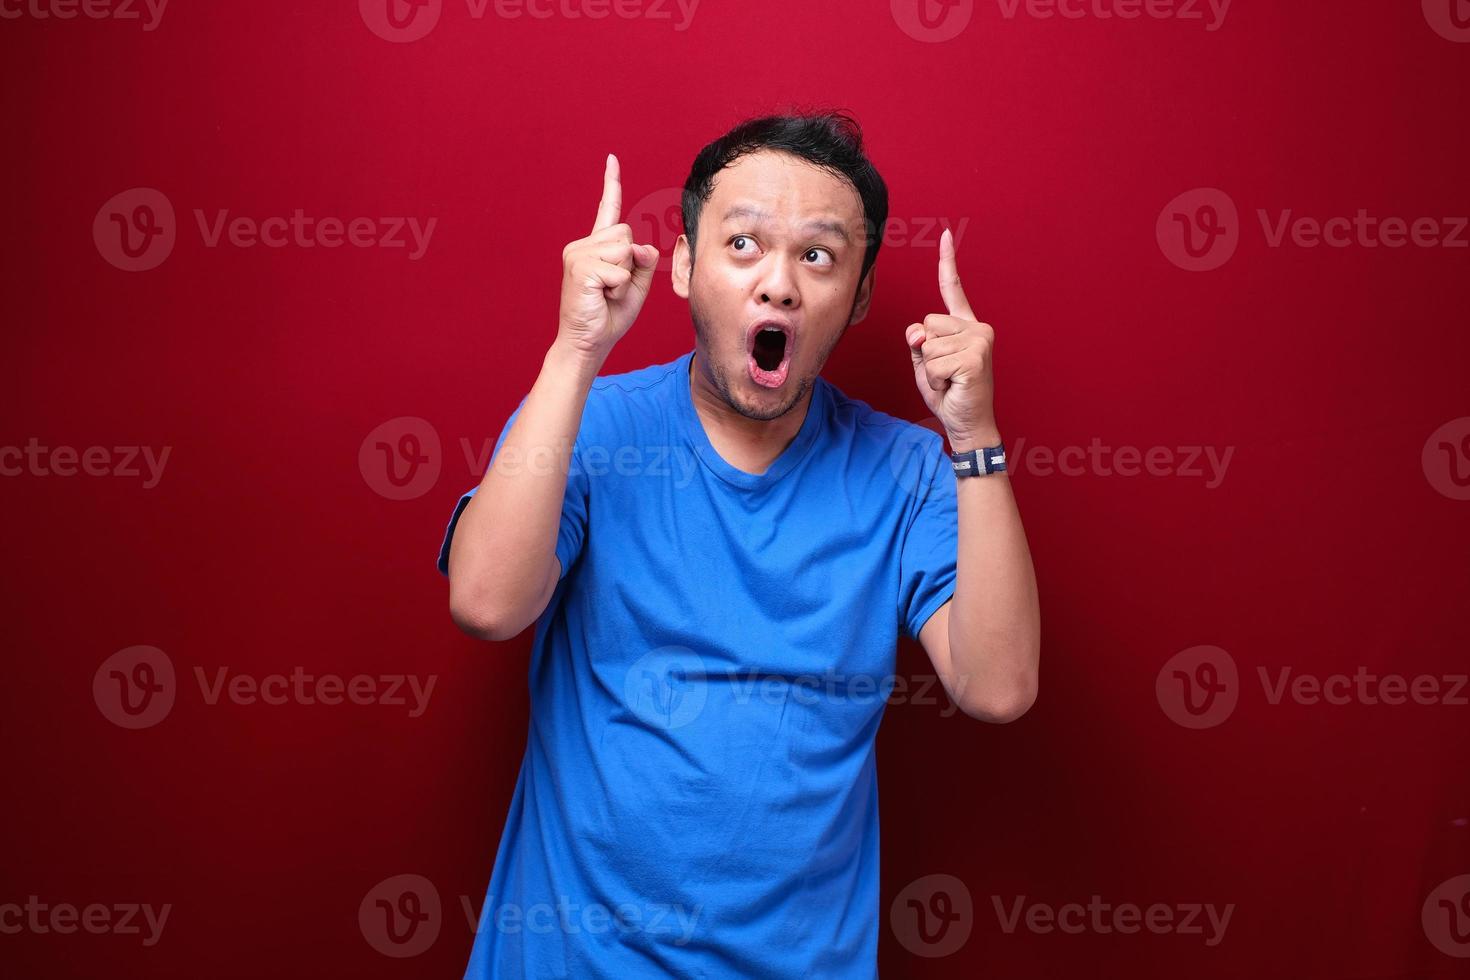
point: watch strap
(979, 462)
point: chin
(765, 404)
(732, 376)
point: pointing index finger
(949, 279)
(610, 210)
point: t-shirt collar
(698, 439)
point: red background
(1326, 548)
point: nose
(777, 285)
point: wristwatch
(979, 462)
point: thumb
(914, 337)
(645, 263)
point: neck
(746, 443)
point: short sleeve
(573, 509)
(930, 549)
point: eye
(743, 244)
(819, 256)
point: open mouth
(769, 346)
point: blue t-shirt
(699, 794)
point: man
(719, 554)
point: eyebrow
(829, 225)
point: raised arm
(502, 558)
(985, 643)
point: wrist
(984, 439)
(569, 359)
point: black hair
(830, 140)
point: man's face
(774, 280)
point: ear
(864, 298)
(683, 266)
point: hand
(952, 356)
(605, 276)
